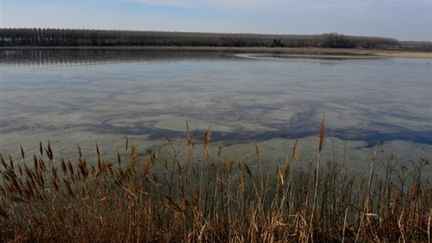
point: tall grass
(145, 196)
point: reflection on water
(34, 56)
(153, 93)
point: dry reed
(216, 201)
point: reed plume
(207, 137)
(221, 200)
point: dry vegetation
(144, 196)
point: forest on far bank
(81, 37)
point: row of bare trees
(80, 37)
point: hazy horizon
(399, 19)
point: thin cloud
(219, 4)
(401, 19)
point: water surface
(87, 95)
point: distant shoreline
(282, 52)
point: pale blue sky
(401, 19)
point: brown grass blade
(3, 213)
(207, 137)
(295, 154)
(219, 151)
(133, 159)
(321, 136)
(257, 151)
(22, 152)
(189, 137)
(41, 148)
(145, 169)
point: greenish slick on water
(89, 96)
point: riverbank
(280, 51)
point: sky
(400, 19)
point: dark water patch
(371, 138)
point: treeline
(78, 37)
(416, 45)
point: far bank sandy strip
(311, 52)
